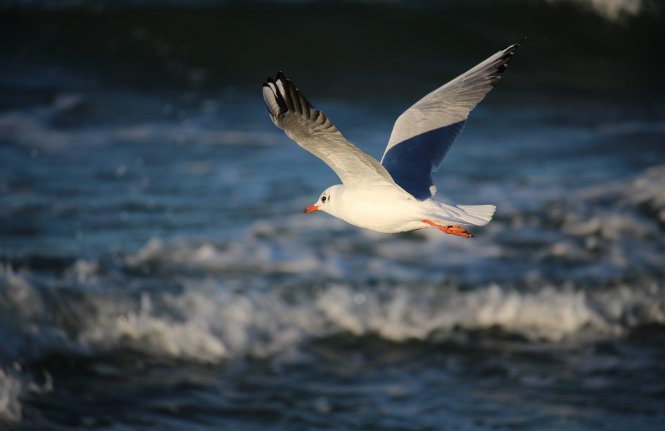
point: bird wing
(313, 131)
(424, 133)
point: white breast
(382, 211)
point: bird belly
(386, 216)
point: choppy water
(156, 271)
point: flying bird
(396, 194)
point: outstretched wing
(314, 132)
(423, 134)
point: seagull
(396, 194)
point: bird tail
(477, 215)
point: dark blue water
(157, 272)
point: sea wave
(37, 128)
(209, 319)
(574, 273)
(579, 235)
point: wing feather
(424, 133)
(314, 132)
(452, 102)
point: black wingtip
(507, 55)
(287, 96)
(512, 48)
(277, 96)
(278, 76)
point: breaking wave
(210, 320)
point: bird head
(327, 200)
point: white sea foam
(547, 314)
(10, 403)
(210, 320)
(612, 10)
(207, 323)
(244, 255)
(144, 330)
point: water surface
(157, 272)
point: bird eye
(323, 199)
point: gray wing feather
(314, 132)
(453, 101)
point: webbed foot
(451, 230)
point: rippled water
(157, 272)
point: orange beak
(310, 209)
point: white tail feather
(443, 213)
(478, 215)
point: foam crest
(249, 254)
(209, 320)
(208, 323)
(406, 314)
(161, 335)
(615, 9)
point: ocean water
(157, 272)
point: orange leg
(452, 230)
